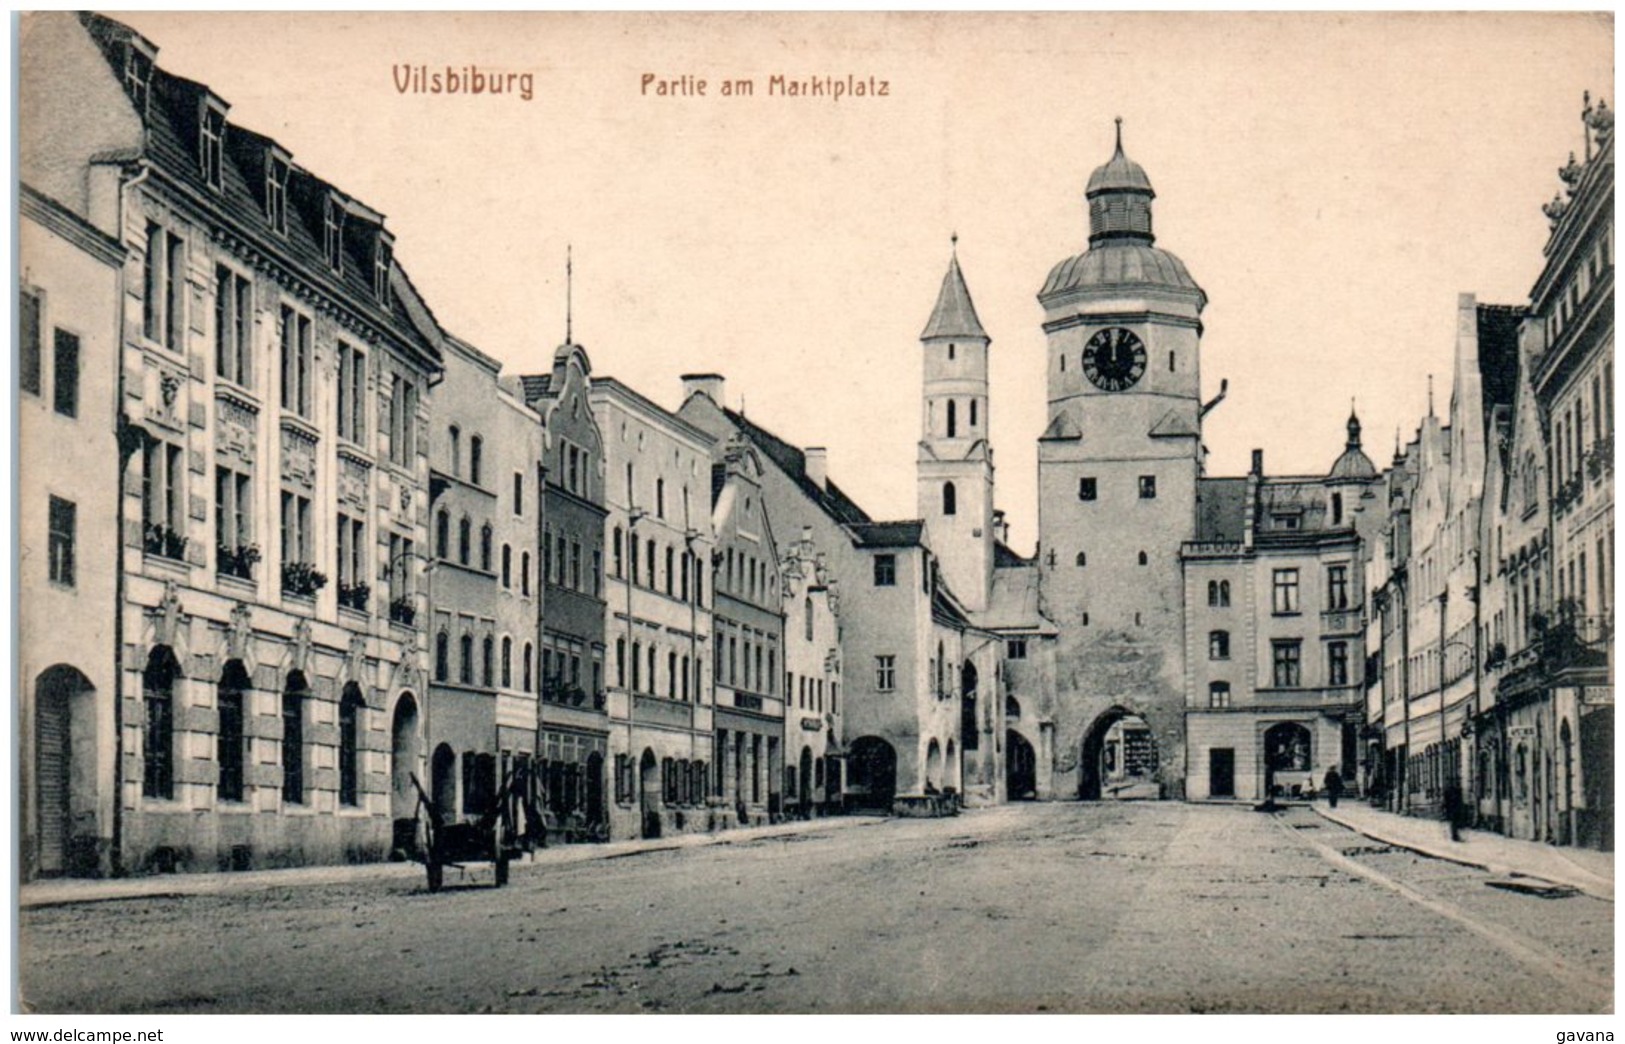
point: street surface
(1131, 907)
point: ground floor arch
(63, 766)
(1020, 767)
(871, 774)
(1119, 758)
(651, 793)
(443, 773)
(405, 748)
(1288, 760)
(933, 767)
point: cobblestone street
(1140, 907)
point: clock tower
(1117, 470)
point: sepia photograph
(506, 516)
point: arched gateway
(1119, 758)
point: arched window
(649, 558)
(671, 675)
(465, 661)
(671, 570)
(660, 498)
(230, 744)
(488, 651)
(807, 611)
(507, 565)
(455, 441)
(350, 745)
(442, 657)
(620, 662)
(651, 668)
(293, 739)
(485, 547)
(615, 553)
(1143, 559)
(684, 567)
(1218, 694)
(442, 534)
(1082, 560)
(527, 667)
(1224, 592)
(1218, 645)
(158, 747)
(476, 447)
(950, 499)
(1212, 592)
(687, 694)
(507, 663)
(953, 419)
(973, 413)
(524, 574)
(465, 539)
(637, 666)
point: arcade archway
(1020, 767)
(871, 774)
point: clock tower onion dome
(1122, 250)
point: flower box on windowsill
(302, 580)
(236, 562)
(354, 597)
(160, 541)
(403, 611)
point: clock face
(1114, 359)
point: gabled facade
(814, 723)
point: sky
(1333, 182)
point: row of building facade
(293, 553)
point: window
(333, 234)
(296, 545)
(403, 411)
(1148, 487)
(573, 469)
(1285, 591)
(1288, 664)
(164, 288)
(350, 746)
(454, 443)
(229, 746)
(1218, 645)
(649, 556)
(158, 730)
(617, 559)
(527, 666)
(1337, 509)
(524, 573)
(518, 493)
(1015, 649)
(507, 565)
(293, 740)
(953, 423)
(352, 555)
(885, 673)
(973, 413)
(885, 570)
(211, 138)
(488, 655)
(1218, 694)
(1286, 521)
(137, 77)
(1143, 560)
(442, 657)
(442, 534)
(1086, 488)
(162, 509)
(507, 663)
(380, 268)
(465, 659)
(660, 498)
(28, 324)
(233, 327)
(671, 571)
(234, 553)
(476, 451)
(1337, 587)
(296, 362)
(276, 193)
(62, 525)
(465, 540)
(1337, 663)
(352, 393)
(950, 499)
(485, 547)
(1081, 560)
(67, 373)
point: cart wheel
(437, 873)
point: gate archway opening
(64, 764)
(1119, 759)
(1288, 760)
(1020, 768)
(871, 774)
(403, 757)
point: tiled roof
(172, 123)
(889, 534)
(1004, 558)
(793, 463)
(1221, 505)
(536, 385)
(954, 315)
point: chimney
(707, 384)
(818, 465)
(1001, 528)
(1258, 463)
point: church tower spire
(955, 468)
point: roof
(1498, 353)
(1013, 603)
(889, 534)
(793, 462)
(1119, 174)
(954, 315)
(1125, 263)
(1221, 506)
(537, 385)
(172, 144)
(1004, 558)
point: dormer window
(333, 238)
(137, 76)
(380, 270)
(276, 192)
(211, 139)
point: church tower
(1117, 471)
(955, 473)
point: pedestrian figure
(1454, 808)
(1334, 786)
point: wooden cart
(490, 837)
